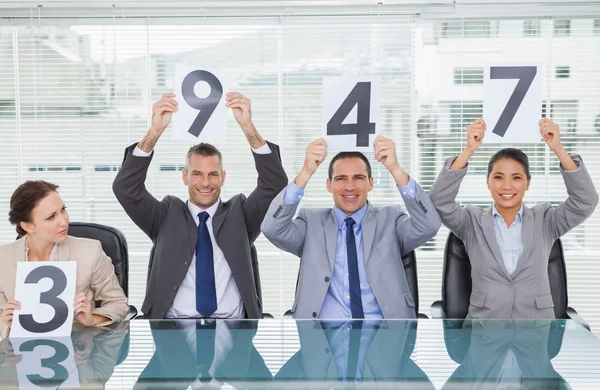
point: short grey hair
(205, 150)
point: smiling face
(204, 179)
(49, 220)
(350, 184)
(507, 183)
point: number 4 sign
(46, 291)
(350, 112)
(512, 104)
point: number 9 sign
(201, 114)
(46, 291)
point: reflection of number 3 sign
(512, 104)
(350, 112)
(46, 292)
(46, 363)
(201, 112)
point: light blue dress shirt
(337, 301)
(509, 239)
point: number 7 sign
(512, 104)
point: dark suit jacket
(172, 229)
(173, 364)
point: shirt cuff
(409, 189)
(265, 149)
(140, 153)
(577, 159)
(293, 194)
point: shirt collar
(53, 253)
(518, 218)
(195, 210)
(357, 216)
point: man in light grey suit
(351, 254)
(508, 243)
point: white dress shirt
(229, 300)
(223, 345)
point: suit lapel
(64, 250)
(330, 226)
(368, 225)
(528, 237)
(192, 229)
(218, 218)
(487, 224)
(19, 251)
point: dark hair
(342, 155)
(510, 154)
(25, 198)
(205, 150)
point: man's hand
(316, 152)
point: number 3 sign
(512, 104)
(350, 113)
(201, 114)
(46, 291)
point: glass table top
(306, 354)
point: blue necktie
(355, 297)
(206, 293)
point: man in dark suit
(204, 353)
(204, 262)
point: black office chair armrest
(132, 313)
(288, 313)
(422, 316)
(572, 314)
(267, 315)
(437, 310)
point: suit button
(327, 278)
(174, 288)
(327, 350)
(314, 314)
(162, 314)
(509, 285)
(186, 263)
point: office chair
(114, 245)
(456, 283)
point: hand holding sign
(551, 134)
(475, 134)
(8, 312)
(385, 152)
(316, 152)
(162, 112)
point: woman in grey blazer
(508, 243)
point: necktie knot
(203, 216)
(349, 222)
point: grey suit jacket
(525, 293)
(172, 229)
(388, 234)
(483, 364)
(387, 359)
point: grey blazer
(489, 343)
(174, 233)
(388, 234)
(525, 293)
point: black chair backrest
(456, 279)
(113, 244)
(409, 261)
